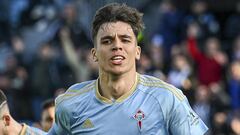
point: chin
(117, 72)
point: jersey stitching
(154, 82)
(65, 96)
(162, 85)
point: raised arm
(77, 65)
(192, 34)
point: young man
(47, 117)
(8, 126)
(121, 101)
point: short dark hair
(48, 103)
(117, 12)
(2, 97)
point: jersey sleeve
(184, 121)
(32, 131)
(62, 121)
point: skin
(116, 52)
(8, 126)
(48, 118)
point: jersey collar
(24, 129)
(120, 99)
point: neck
(114, 86)
(16, 128)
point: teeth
(117, 58)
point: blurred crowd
(45, 48)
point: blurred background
(192, 44)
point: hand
(221, 58)
(65, 33)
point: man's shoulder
(159, 89)
(76, 90)
(28, 130)
(166, 95)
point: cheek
(1, 126)
(102, 55)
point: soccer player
(8, 126)
(122, 101)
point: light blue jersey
(151, 107)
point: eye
(49, 119)
(126, 40)
(106, 41)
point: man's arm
(193, 50)
(77, 65)
(193, 31)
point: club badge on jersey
(139, 116)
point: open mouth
(117, 59)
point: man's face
(48, 118)
(116, 48)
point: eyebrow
(112, 37)
(125, 36)
(107, 37)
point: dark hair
(48, 103)
(117, 12)
(2, 97)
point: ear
(138, 52)
(6, 119)
(94, 54)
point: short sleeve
(36, 131)
(62, 122)
(184, 121)
(28, 130)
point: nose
(117, 45)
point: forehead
(49, 111)
(113, 28)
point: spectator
(47, 117)
(180, 72)
(235, 123)
(204, 19)
(170, 25)
(219, 123)
(234, 85)
(69, 19)
(46, 77)
(232, 29)
(235, 55)
(156, 55)
(77, 64)
(152, 60)
(202, 104)
(210, 63)
(5, 52)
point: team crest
(139, 116)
